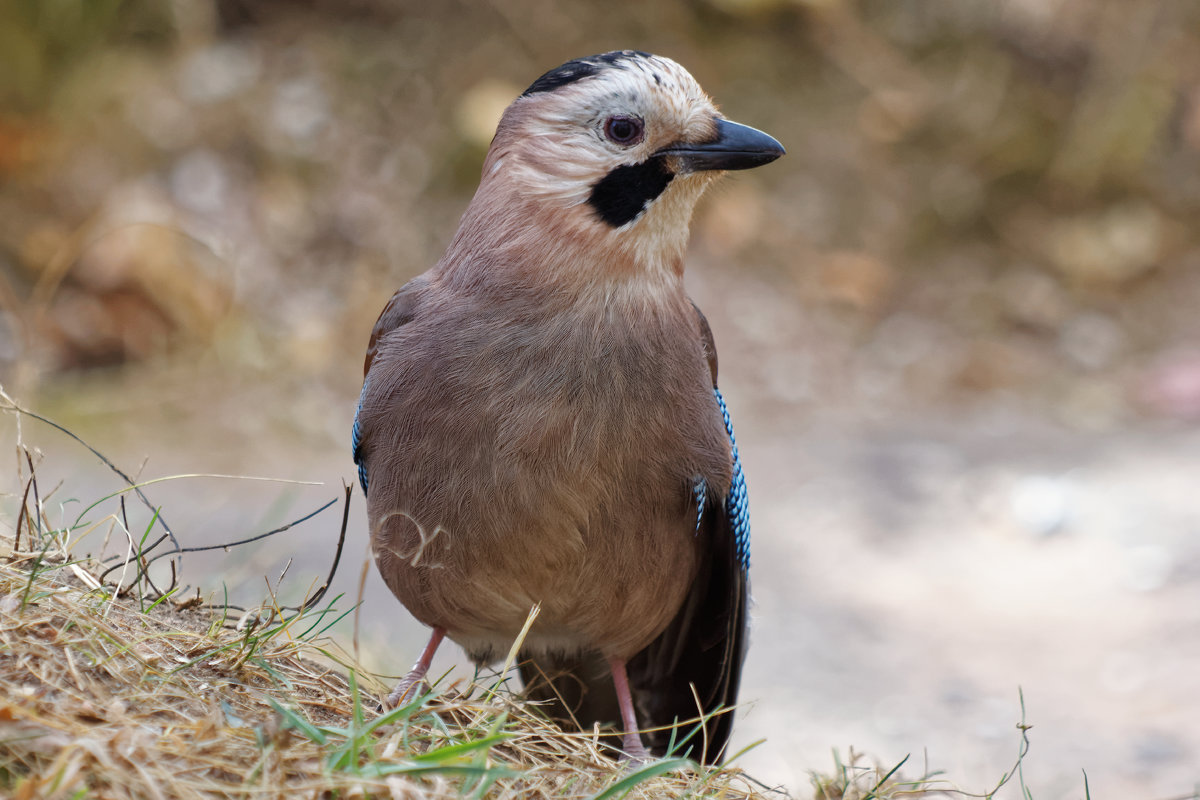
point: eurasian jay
(540, 422)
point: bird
(540, 424)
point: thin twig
(23, 513)
(337, 556)
(223, 546)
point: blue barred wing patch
(700, 495)
(356, 442)
(737, 502)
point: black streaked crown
(580, 68)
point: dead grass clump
(108, 696)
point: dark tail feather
(699, 656)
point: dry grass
(108, 699)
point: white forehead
(653, 74)
(647, 86)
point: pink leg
(631, 740)
(414, 676)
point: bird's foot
(410, 687)
(633, 753)
(413, 684)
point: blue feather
(700, 493)
(737, 502)
(356, 442)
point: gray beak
(737, 146)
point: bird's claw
(409, 688)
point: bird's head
(608, 156)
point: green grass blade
(294, 719)
(460, 751)
(399, 713)
(653, 770)
(879, 784)
(159, 600)
(380, 770)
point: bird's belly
(611, 586)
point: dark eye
(623, 130)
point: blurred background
(959, 327)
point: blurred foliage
(43, 40)
(981, 196)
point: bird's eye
(623, 130)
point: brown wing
(399, 310)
